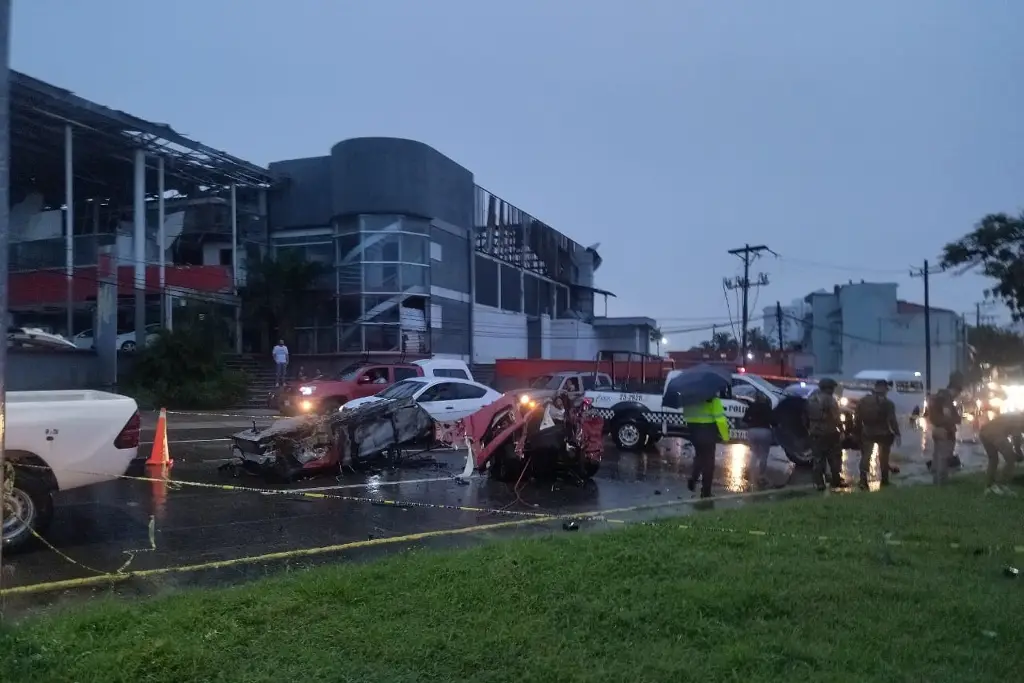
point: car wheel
(28, 510)
(629, 434)
(797, 449)
(128, 347)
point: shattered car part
(295, 446)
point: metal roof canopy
(104, 141)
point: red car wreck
(506, 438)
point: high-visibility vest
(708, 412)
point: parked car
(61, 440)
(444, 398)
(326, 395)
(125, 340)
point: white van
(906, 388)
(444, 367)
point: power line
(833, 266)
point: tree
(996, 245)
(723, 342)
(277, 291)
(995, 346)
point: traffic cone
(160, 455)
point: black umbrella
(696, 385)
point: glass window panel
(382, 277)
(486, 281)
(348, 247)
(350, 279)
(350, 338)
(382, 337)
(350, 308)
(380, 223)
(417, 225)
(381, 247)
(415, 248)
(511, 289)
(413, 276)
(381, 309)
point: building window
(511, 289)
(486, 281)
(435, 252)
(435, 316)
(381, 277)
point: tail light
(587, 402)
(129, 436)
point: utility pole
(747, 254)
(782, 344)
(923, 273)
(5, 168)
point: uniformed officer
(879, 428)
(823, 429)
(707, 426)
(944, 418)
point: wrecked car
(518, 432)
(304, 446)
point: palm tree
(277, 290)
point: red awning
(49, 288)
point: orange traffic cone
(161, 454)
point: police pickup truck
(636, 419)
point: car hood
(366, 400)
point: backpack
(870, 411)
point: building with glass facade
(423, 259)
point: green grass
(708, 602)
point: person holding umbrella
(696, 392)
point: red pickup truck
(324, 395)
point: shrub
(184, 369)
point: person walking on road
(944, 418)
(759, 421)
(1003, 435)
(280, 354)
(879, 428)
(708, 427)
(823, 429)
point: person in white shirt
(280, 354)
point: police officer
(708, 427)
(823, 428)
(944, 418)
(876, 419)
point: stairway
(261, 379)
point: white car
(61, 440)
(444, 398)
(125, 340)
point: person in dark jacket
(759, 420)
(944, 419)
(879, 428)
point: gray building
(422, 258)
(864, 326)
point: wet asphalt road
(183, 530)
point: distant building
(864, 326)
(792, 323)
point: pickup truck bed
(60, 440)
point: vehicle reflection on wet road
(194, 520)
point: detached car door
(440, 401)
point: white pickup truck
(60, 440)
(636, 419)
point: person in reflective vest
(707, 426)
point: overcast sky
(853, 138)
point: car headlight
(995, 401)
(844, 401)
(524, 399)
(842, 418)
(306, 406)
(307, 391)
